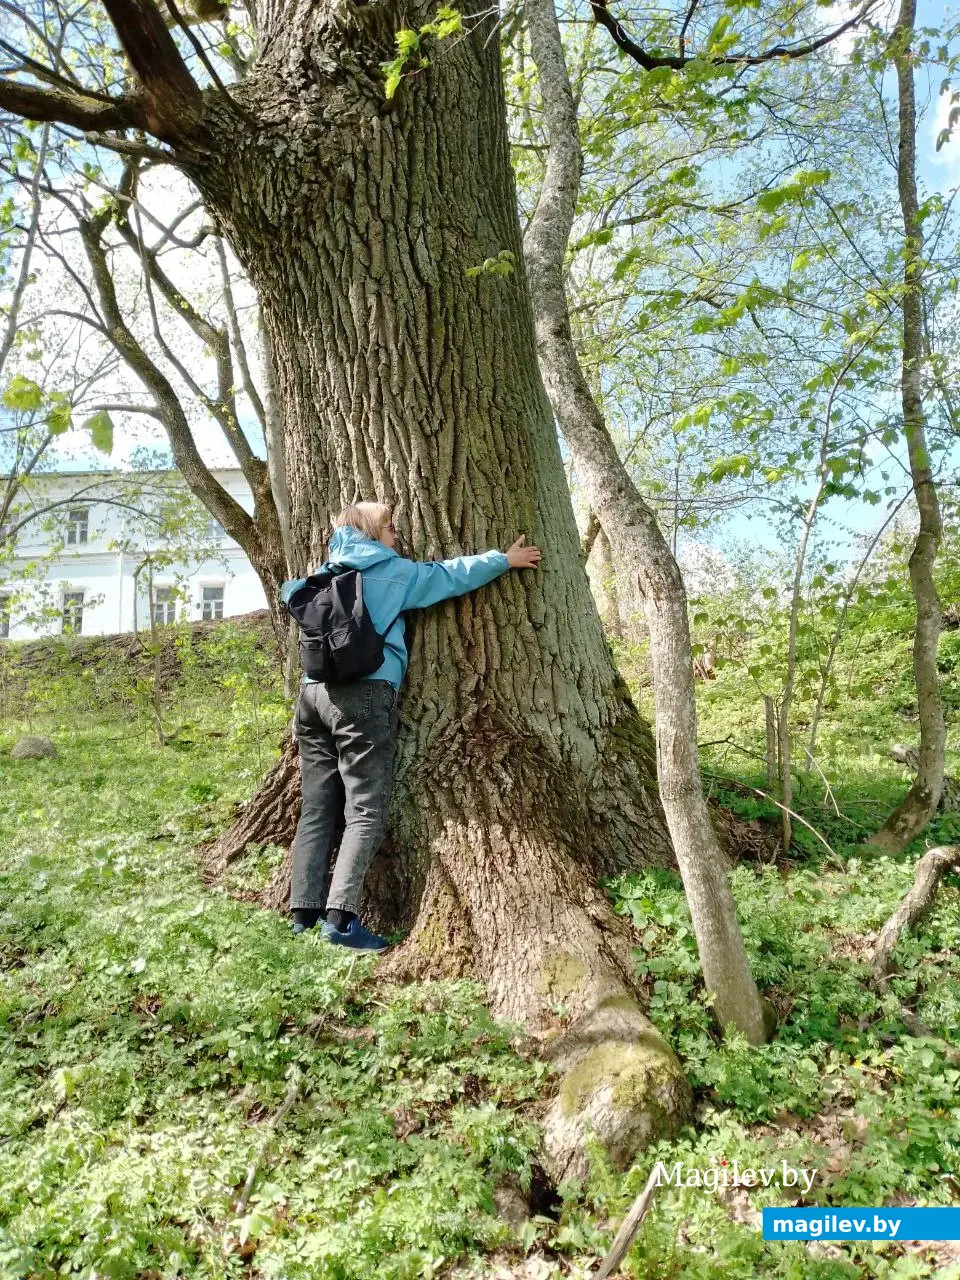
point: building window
(78, 525)
(72, 613)
(164, 606)
(212, 606)
(215, 531)
(4, 617)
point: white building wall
(106, 575)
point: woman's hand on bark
(520, 556)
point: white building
(85, 576)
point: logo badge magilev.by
(781, 1175)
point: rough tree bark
(639, 546)
(920, 803)
(524, 772)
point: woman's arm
(436, 580)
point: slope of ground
(160, 1039)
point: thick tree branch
(74, 109)
(124, 147)
(186, 455)
(649, 61)
(172, 98)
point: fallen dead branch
(254, 1169)
(628, 1231)
(930, 870)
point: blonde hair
(367, 517)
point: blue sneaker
(354, 936)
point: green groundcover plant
(187, 1092)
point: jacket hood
(354, 549)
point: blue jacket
(392, 584)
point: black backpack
(338, 641)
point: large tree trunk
(523, 773)
(920, 803)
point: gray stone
(31, 748)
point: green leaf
(719, 35)
(65, 1082)
(100, 426)
(407, 41)
(737, 465)
(446, 23)
(60, 417)
(22, 394)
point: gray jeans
(347, 735)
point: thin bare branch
(649, 61)
(252, 394)
(208, 65)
